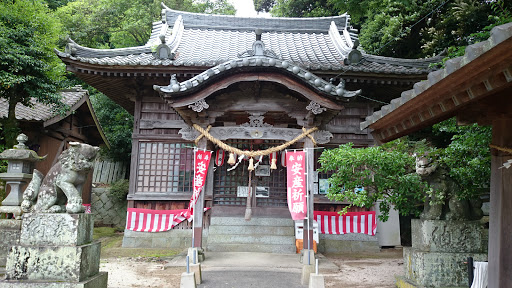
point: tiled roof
(498, 35)
(193, 39)
(39, 111)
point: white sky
(245, 8)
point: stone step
(250, 239)
(284, 249)
(240, 221)
(2, 272)
(251, 230)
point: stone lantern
(20, 164)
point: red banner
(296, 184)
(201, 162)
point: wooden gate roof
(474, 87)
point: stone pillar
(500, 221)
(55, 250)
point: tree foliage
(124, 23)
(28, 66)
(363, 176)
(467, 157)
(387, 172)
(117, 124)
(408, 28)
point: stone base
(316, 281)
(56, 229)
(53, 263)
(348, 243)
(404, 283)
(9, 236)
(307, 270)
(173, 239)
(438, 269)
(448, 236)
(100, 280)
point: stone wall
(348, 243)
(177, 239)
(107, 211)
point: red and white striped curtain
(148, 220)
(351, 222)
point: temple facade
(251, 84)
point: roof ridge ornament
(258, 48)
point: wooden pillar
(199, 207)
(134, 161)
(500, 220)
(310, 158)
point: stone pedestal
(55, 250)
(439, 250)
(9, 236)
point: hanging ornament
(273, 166)
(231, 160)
(283, 158)
(219, 157)
(273, 160)
(251, 165)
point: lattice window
(165, 168)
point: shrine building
(251, 84)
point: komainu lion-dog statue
(61, 189)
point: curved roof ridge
(418, 63)
(312, 80)
(76, 49)
(231, 22)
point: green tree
(467, 157)
(124, 23)
(408, 28)
(28, 66)
(117, 124)
(302, 8)
(363, 176)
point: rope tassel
(231, 160)
(273, 166)
(251, 165)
